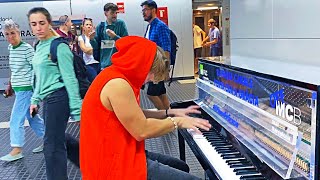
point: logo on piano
(286, 111)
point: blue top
(102, 38)
(215, 34)
(51, 76)
(160, 34)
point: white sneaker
(38, 149)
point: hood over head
(134, 58)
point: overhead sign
(120, 7)
(162, 14)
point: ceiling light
(207, 8)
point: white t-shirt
(197, 40)
(88, 58)
(148, 31)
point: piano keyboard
(224, 157)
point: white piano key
(215, 159)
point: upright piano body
(271, 123)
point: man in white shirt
(197, 44)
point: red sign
(162, 14)
(120, 7)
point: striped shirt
(20, 61)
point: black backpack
(78, 64)
(173, 53)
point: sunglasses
(84, 19)
(87, 19)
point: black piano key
(211, 137)
(217, 141)
(223, 147)
(247, 172)
(237, 165)
(219, 144)
(254, 178)
(237, 162)
(236, 159)
(230, 153)
(226, 157)
(246, 169)
(215, 138)
(251, 177)
(220, 151)
(211, 133)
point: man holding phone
(107, 33)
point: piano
(263, 126)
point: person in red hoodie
(113, 126)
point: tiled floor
(32, 166)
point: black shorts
(156, 89)
(197, 52)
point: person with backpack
(158, 32)
(21, 82)
(57, 86)
(92, 65)
(106, 34)
(64, 30)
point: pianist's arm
(161, 114)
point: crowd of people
(118, 65)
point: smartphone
(33, 114)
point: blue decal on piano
(235, 77)
(226, 116)
(276, 96)
(242, 94)
(314, 96)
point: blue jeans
(92, 71)
(215, 51)
(56, 112)
(21, 111)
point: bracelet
(167, 115)
(174, 122)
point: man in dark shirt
(158, 32)
(64, 30)
(107, 33)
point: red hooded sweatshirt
(107, 149)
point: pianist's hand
(184, 112)
(193, 123)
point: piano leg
(182, 147)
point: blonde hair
(160, 66)
(54, 32)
